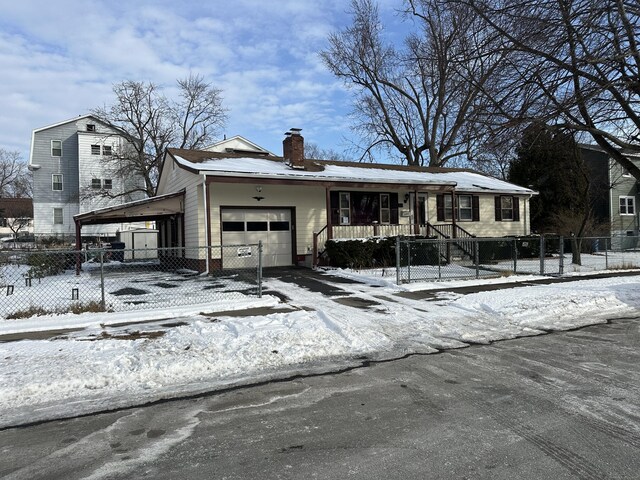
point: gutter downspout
(205, 203)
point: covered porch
(402, 212)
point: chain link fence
(448, 259)
(39, 282)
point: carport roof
(146, 209)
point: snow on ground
(117, 361)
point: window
(279, 226)
(465, 208)
(57, 216)
(257, 226)
(448, 208)
(91, 127)
(107, 184)
(627, 205)
(233, 226)
(96, 184)
(507, 208)
(506, 205)
(95, 149)
(106, 150)
(56, 148)
(345, 208)
(385, 208)
(56, 182)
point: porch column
(416, 213)
(328, 207)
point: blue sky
(60, 59)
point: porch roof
(274, 168)
(139, 210)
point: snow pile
(109, 367)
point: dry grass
(76, 308)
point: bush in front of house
(380, 252)
(361, 253)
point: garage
(242, 226)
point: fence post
(439, 260)
(541, 254)
(409, 261)
(561, 267)
(102, 303)
(606, 252)
(515, 256)
(476, 257)
(260, 269)
(398, 260)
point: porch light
(406, 197)
(258, 188)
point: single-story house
(294, 205)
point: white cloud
(63, 61)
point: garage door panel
(249, 226)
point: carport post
(260, 269)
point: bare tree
(575, 64)
(314, 151)
(15, 179)
(150, 122)
(415, 101)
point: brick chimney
(293, 148)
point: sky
(60, 59)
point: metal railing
(42, 282)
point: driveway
(561, 406)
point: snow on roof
(386, 174)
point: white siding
(309, 203)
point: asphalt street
(562, 406)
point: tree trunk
(576, 247)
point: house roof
(272, 167)
(237, 144)
(21, 206)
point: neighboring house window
(95, 183)
(467, 208)
(56, 148)
(56, 182)
(91, 127)
(345, 208)
(627, 205)
(106, 150)
(95, 149)
(107, 184)
(385, 208)
(57, 216)
(507, 208)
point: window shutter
(516, 209)
(334, 200)
(475, 208)
(440, 207)
(498, 209)
(393, 200)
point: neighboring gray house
(615, 195)
(70, 165)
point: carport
(167, 210)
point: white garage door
(249, 226)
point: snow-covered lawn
(117, 361)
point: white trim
(206, 221)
